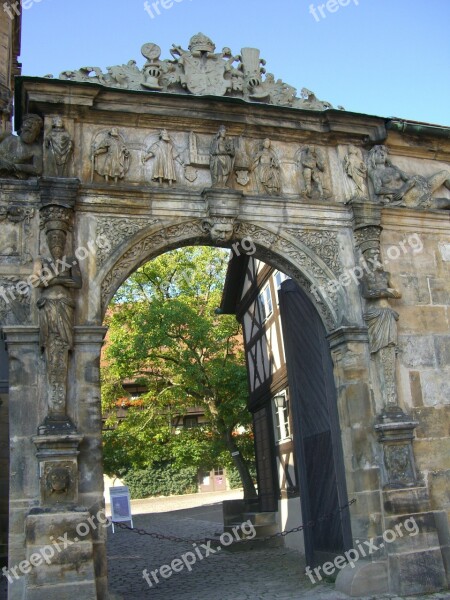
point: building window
(218, 472)
(279, 278)
(281, 413)
(190, 422)
(265, 303)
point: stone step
(260, 518)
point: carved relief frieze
(58, 146)
(267, 170)
(313, 171)
(393, 187)
(355, 169)
(110, 155)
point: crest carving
(200, 70)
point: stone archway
(287, 174)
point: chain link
(174, 538)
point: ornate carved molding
(116, 231)
(271, 248)
(324, 243)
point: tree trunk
(242, 467)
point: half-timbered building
(293, 405)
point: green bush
(234, 478)
(161, 480)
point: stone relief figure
(110, 156)
(58, 481)
(397, 459)
(356, 169)
(312, 167)
(222, 154)
(221, 230)
(21, 156)
(267, 169)
(59, 275)
(394, 187)
(165, 155)
(60, 144)
(382, 329)
(376, 281)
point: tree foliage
(165, 334)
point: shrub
(234, 478)
(161, 480)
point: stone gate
(112, 169)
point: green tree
(164, 333)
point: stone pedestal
(60, 556)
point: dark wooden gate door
(317, 439)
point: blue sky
(380, 57)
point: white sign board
(120, 505)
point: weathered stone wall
(4, 453)
(422, 274)
(9, 67)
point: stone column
(26, 412)
(85, 405)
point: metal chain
(174, 538)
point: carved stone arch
(281, 249)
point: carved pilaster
(395, 431)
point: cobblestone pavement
(267, 574)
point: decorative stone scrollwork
(200, 70)
(146, 248)
(149, 246)
(117, 231)
(323, 242)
